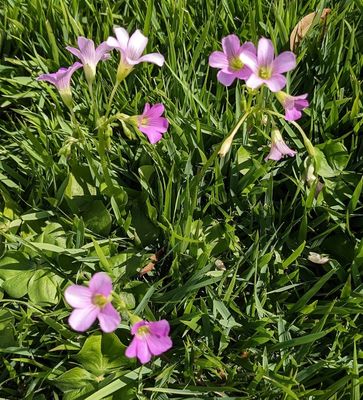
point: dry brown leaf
(151, 265)
(303, 27)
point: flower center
(236, 64)
(143, 330)
(144, 121)
(100, 300)
(265, 72)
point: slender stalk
(117, 83)
(103, 158)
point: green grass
(270, 324)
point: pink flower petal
(265, 52)
(249, 58)
(159, 124)
(146, 109)
(131, 350)
(292, 114)
(143, 353)
(155, 111)
(218, 60)
(274, 154)
(109, 318)
(254, 81)
(122, 37)
(102, 51)
(225, 78)
(154, 58)
(284, 62)
(82, 318)
(248, 46)
(231, 45)
(243, 73)
(74, 51)
(284, 149)
(160, 328)
(100, 283)
(78, 296)
(87, 48)
(158, 345)
(112, 42)
(152, 134)
(136, 45)
(276, 82)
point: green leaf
(42, 288)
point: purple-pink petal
(274, 154)
(102, 51)
(218, 60)
(154, 58)
(284, 62)
(109, 318)
(243, 73)
(81, 319)
(276, 82)
(284, 149)
(254, 81)
(248, 46)
(74, 51)
(155, 111)
(265, 52)
(231, 45)
(131, 350)
(250, 59)
(122, 37)
(152, 134)
(158, 345)
(143, 353)
(136, 45)
(78, 296)
(226, 78)
(292, 114)
(160, 328)
(100, 283)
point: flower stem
(117, 83)
(103, 158)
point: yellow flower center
(265, 72)
(236, 64)
(143, 330)
(100, 300)
(144, 121)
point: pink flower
(131, 49)
(62, 81)
(90, 56)
(152, 123)
(92, 302)
(292, 105)
(266, 69)
(229, 61)
(278, 147)
(150, 339)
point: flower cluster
(150, 122)
(257, 67)
(94, 302)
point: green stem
(94, 103)
(117, 83)
(103, 158)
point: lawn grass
(251, 317)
